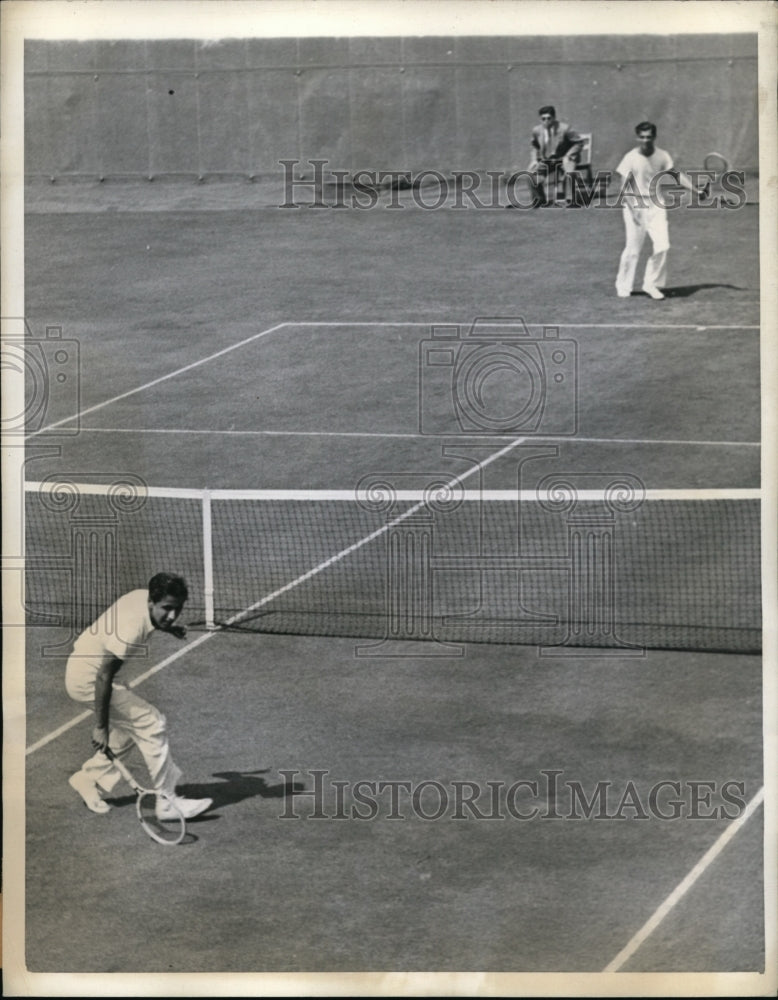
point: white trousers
(133, 721)
(639, 223)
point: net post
(210, 623)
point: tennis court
(475, 685)
(667, 391)
(232, 391)
(254, 892)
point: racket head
(169, 831)
(716, 163)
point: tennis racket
(717, 164)
(168, 831)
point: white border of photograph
(91, 19)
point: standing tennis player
(122, 718)
(644, 214)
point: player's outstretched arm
(686, 182)
(103, 689)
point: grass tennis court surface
(313, 400)
(254, 892)
(332, 308)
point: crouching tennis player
(122, 718)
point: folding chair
(583, 165)
(585, 156)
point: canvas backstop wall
(238, 106)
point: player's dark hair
(547, 109)
(162, 585)
(644, 127)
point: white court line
(234, 433)
(156, 381)
(412, 496)
(392, 434)
(683, 887)
(57, 732)
(50, 737)
(732, 444)
(278, 326)
(560, 326)
(281, 590)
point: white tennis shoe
(189, 808)
(653, 292)
(87, 789)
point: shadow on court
(234, 787)
(684, 291)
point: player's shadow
(683, 291)
(235, 786)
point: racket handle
(125, 773)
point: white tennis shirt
(644, 168)
(121, 631)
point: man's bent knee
(151, 723)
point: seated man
(555, 151)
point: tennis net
(494, 567)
